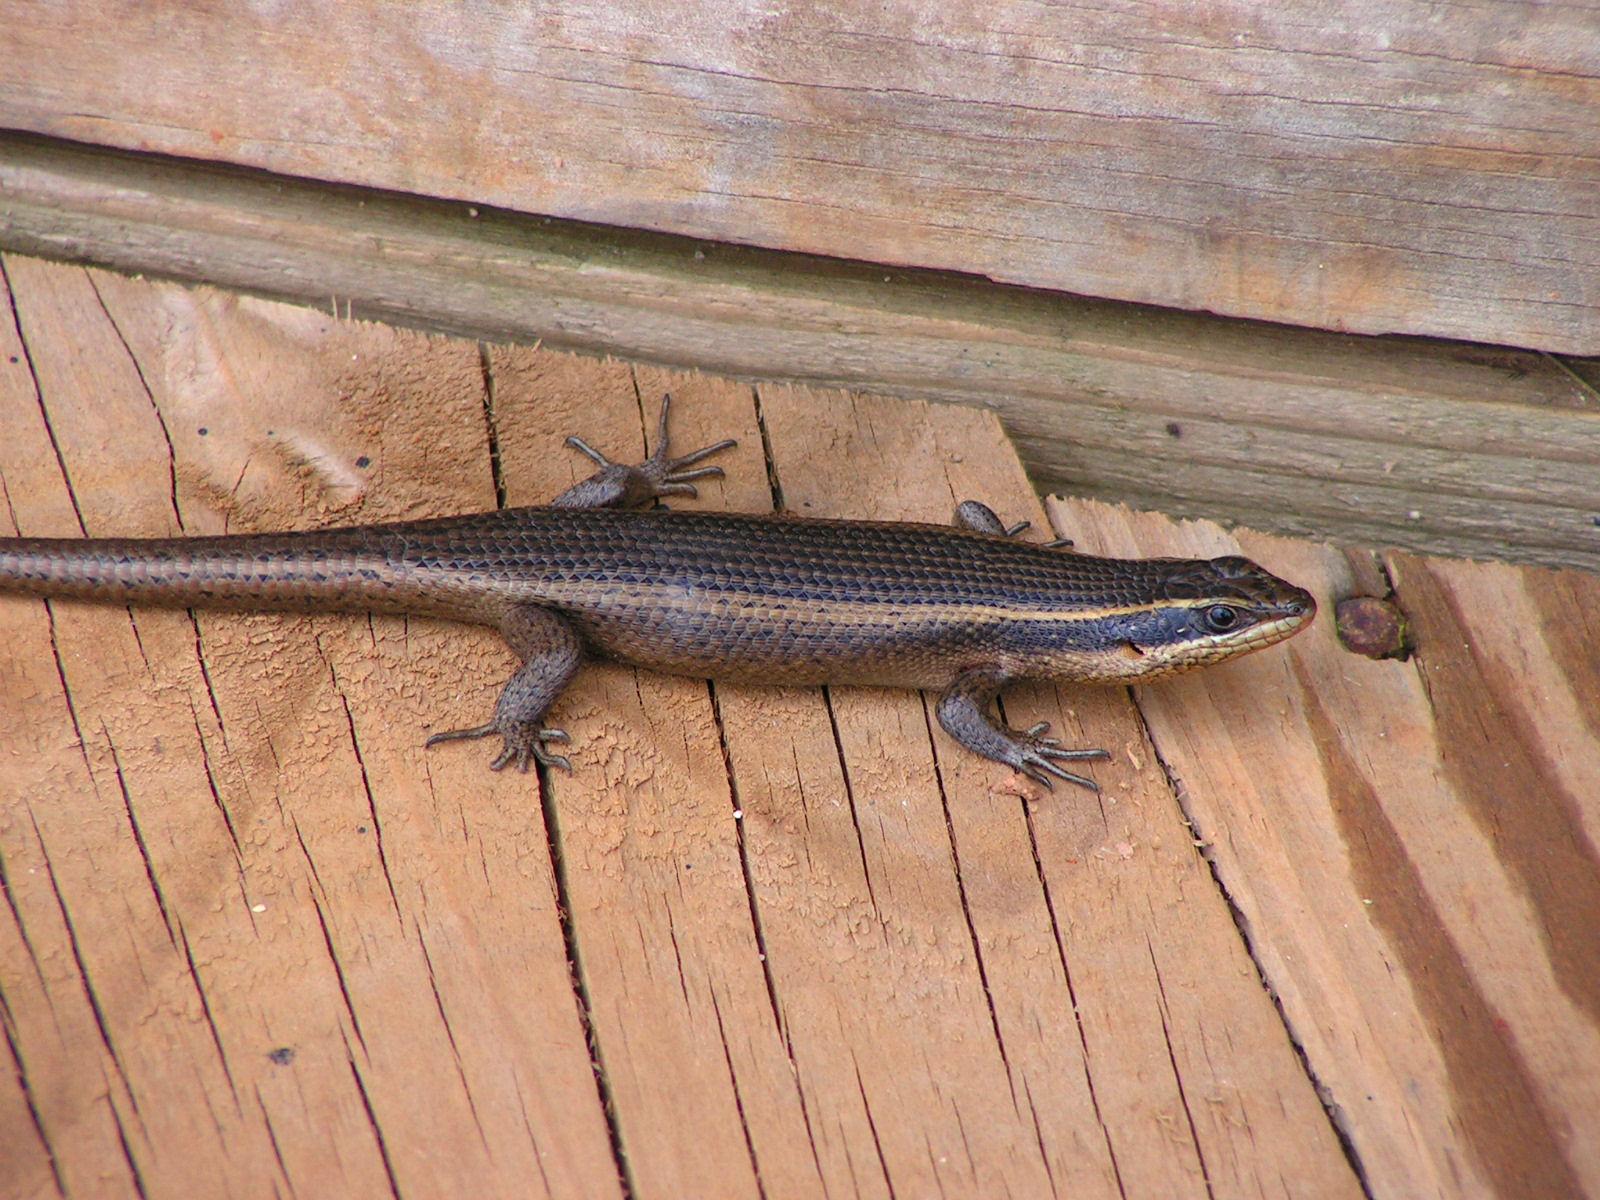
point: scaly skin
(776, 599)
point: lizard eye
(1219, 618)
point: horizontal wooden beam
(1375, 168)
(1437, 446)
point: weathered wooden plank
(1378, 169)
(1411, 847)
(1441, 447)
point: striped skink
(960, 609)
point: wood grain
(761, 942)
(1431, 446)
(1381, 169)
(250, 924)
(1411, 849)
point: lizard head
(1203, 611)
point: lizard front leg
(551, 654)
(964, 713)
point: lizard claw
(1034, 767)
(583, 447)
(1038, 757)
(522, 742)
(671, 476)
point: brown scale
(963, 609)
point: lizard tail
(293, 572)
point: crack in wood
(1202, 845)
(580, 986)
(337, 963)
(491, 424)
(86, 983)
(372, 1122)
(210, 1017)
(138, 836)
(966, 908)
(38, 395)
(272, 1140)
(749, 880)
(733, 1084)
(872, 1126)
(127, 1153)
(1072, 995)
(450, 1035)
(366, 783)
(1038, 1137)
(1177, 1075)
(150, 397)
(850, 799)
(19, 1066)
(533, 1137)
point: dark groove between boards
(491, 424)
(580, 986)
(1324, 1094)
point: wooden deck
(1329, 931)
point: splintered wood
(1329, 926)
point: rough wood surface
(1375, 168)
(1432, 446)
(762, 942)
(1411, 847)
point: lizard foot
(1037, 756)
(522, 742)
(976, 515)
(618, 485)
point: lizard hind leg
(964, 713)
(551, 654)
(978, 516)
(618, 485)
